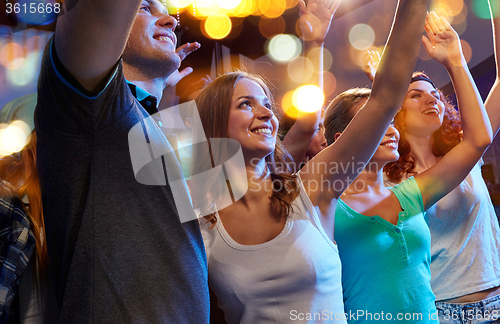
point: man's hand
(182, 52)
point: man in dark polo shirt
(118, 251)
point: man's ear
(337, 136)
(188, 123)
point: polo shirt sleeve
(66, 106)
(408, 193)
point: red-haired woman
(465, 249)
(384, 241)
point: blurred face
(152, 41)
(424, 109)
(251, 120)
(318, 142)
(387, 150)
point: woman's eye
(146, 9)
(244, 104)
(416, 95)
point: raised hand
(443, 43)
(182, 52)
(371, 60)
(316, 17)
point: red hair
(21, 172)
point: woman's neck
(371, 179)
(421, 150)
(260, 184)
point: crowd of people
(105, 220)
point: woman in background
(384, 242)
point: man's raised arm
(91, 36)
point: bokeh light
(12, 56)
(207, 8)
(291, 3)
(300, 69)
(217, 26)
(361, 36)
(284, 47)
(27, 72)
(287, 105)
(272, 9)
(228, 4)
(272, 27)
(308, 98)
(13, 137)
(329, 83)
(181, 3)
(245, 8)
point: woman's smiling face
(423, 108)
(251, 120)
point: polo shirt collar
(147, 100)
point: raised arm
(315, 20)
(443, 45)
(91, 37)
(363, 135)
(492, 102)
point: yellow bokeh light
(300, 70)
(181, 3)
(443, 10)
(284, 47)
(228, 4)
(287, 105)
(361, 36)
(447, 8)
(291, 3)
(206, 8)
(308, 98)
(272, 9)
(12, 56)
(13, 138)
(218, 26)
(245, 8)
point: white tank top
(465, 240)
(294, 278)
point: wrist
(452, 64)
